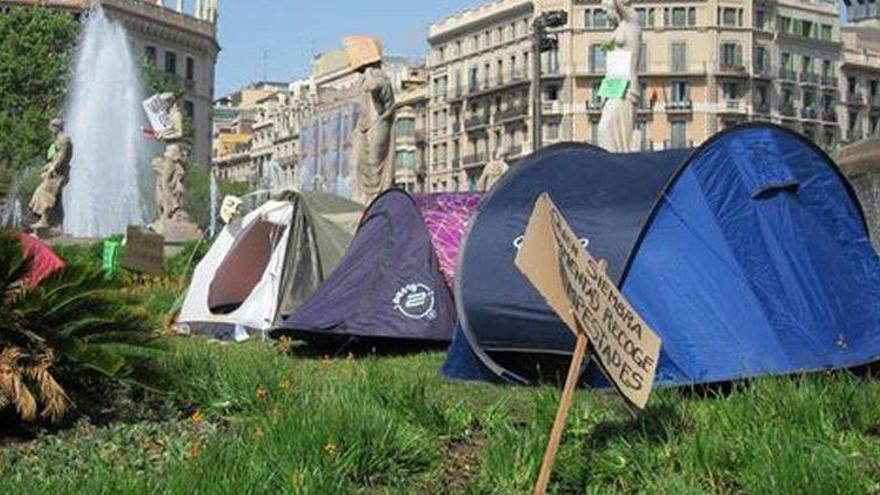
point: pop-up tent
(264, 265)
(389, 285)
(748, 256)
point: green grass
(266, 422)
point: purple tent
(446, 216)
(387, 285)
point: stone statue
(372, 153)
(493, 171)
(46, 201)
(617, 124)
(170, 172)
(172, 221)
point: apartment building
(410, 141)
(704, 66)
(860, 80)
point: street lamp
(542, 42)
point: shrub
(69, 337)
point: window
(826, 32)
(499, 71)
(807, 65)
(150, 54)
(599, 19)
(785, 61)
(692, 16)
(190, 69)
(679, 56)
(552, 92)
(597, 58)
(552, 131)
(646, 17)
(731, 55)
(189, 109)
(406, 127)
(730, 90)
(729, 16)
(405, 159)
(441, 54)
(852, 85)
(787, 96)
(761, 100)
(678, 91)
(761, 62)
(678, 134)
(170, 63)
(783, 24)
(873, 88)
(827, 69)
(473, 75)
(760, 19)
(679, 16)
(809, 99)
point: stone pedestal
(176, 233)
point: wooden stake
(574, 373)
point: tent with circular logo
(748, 256)
(390, 284)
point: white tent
(263, 265)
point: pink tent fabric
(446, 216)
(44, 261)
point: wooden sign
(144, 251)
(577, 287)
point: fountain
(111, 183)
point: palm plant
(68, 336)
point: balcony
(734, 69)
(679, 106)
(595, 105)
(512, 113)
(809, 78)
(763, 72)
(677, 144)
(787, 74)
(811, 113)
(829, 81)
(762, 108)
(732, 105)
(476, 122)
(829, 115)
(474, 160)
(551, 107)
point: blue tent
(749, 256)
(388, 284)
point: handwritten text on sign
(574, 283)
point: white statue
(46, 200)
(372, 153)
(617, 125)
(493, 171)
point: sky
(291, 32)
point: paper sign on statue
(618, 69)
(157, 113)
(574, 283)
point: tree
(36, 45)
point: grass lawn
(260, 418)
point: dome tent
(750, 256)
(263, 265)
(389, 284)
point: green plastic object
(613, 87)
(111, 257)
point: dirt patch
(461, 466)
